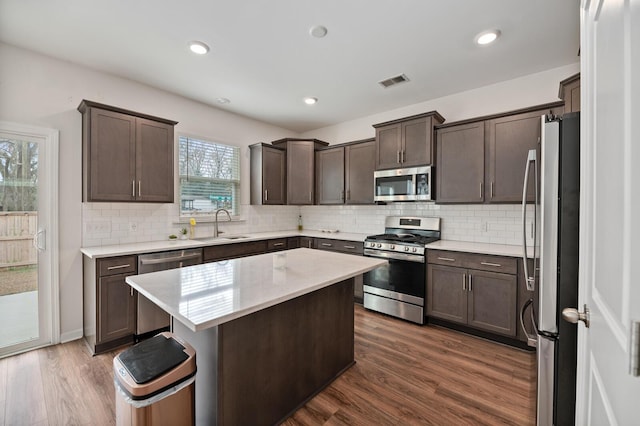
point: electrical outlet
(133, 226)
(103, 226)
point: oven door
(406, 278)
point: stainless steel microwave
(410, 184)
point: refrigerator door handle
(532, 339)
(531, 159)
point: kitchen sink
(233, 237)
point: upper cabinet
(300, 173)
(406, 142)
(570, 93)
(344, 174)
(127, 156)
(267, 174)
(483, 160)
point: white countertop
(164, 245)
(203, 296)
(481, 248)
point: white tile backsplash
(121, 223)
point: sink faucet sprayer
(215, 224)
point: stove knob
(415, 249)
(379, 245)
(406, 249)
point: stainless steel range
(399, 288)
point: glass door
(28, 220)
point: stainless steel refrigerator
(551, 263)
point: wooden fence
(16, 238)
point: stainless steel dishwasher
(151, 318)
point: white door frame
(48, 264)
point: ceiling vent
(393, 81)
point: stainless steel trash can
(155, 383)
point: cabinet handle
(309, 243)
(111, 268)
(404, 157)
(133, 188)
(492, 189)
(448, 259)
(342, 195)
(310, 195)
(464, 282)
(278, 244)
(398, 156)
(348, 194)
(327, 245)
(497, 265)
(139, 188)
(349, 247)
(266, 195)
(470, 282)
(131, 291)
(481, 190)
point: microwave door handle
(531, 158)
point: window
(209, 177)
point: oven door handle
(394, 256)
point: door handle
(572, 315)
(529, 279)
(531, 338)
(36, 240)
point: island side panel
(205, 343)
(272, 361)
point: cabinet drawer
(230, 251)
(277, 244)
(340, 245)
(117, 265)
(482, 262)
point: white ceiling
(263, 59)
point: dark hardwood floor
(404, 374)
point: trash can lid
(153, 357)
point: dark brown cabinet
(483, 160)
(127, 156)
(109, 303)
(344, 174)
(330, 174)
(234, 250)
(460, 164)
(465, 288)
(406, 142)
(267, 174)
(300, 170)
(570, 93)
(307, 242)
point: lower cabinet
(478, 298)
(109, 302)
(341, 246)
(234, 250)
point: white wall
(41, 91)
(523, 92)
(38, 90)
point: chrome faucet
(215, 224)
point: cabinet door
(112, 163)
(360, 163)
(330, 176)
(460, 165)
(446, 293)
(307, 242)
(571, 96)
(300, 172)
(416, 142)
(492, 302)
(116, 308)
(509, 140)
(154, 161)
(388, 147)
(273, 175)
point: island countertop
(203, 296)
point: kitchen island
(270, 331)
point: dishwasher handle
(144, 261)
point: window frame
(183, 215)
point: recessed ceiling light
(223, 100)
(310, 100)
(198, 47)
(487, 37)
(318, 31)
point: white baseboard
(71, 335)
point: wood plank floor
(405, 374)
